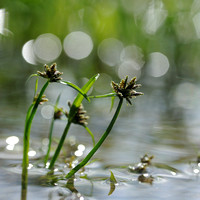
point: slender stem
(61, 142)
(100, 142)
(29, 118)
(50, 141)
(91, 134)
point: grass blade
(36, 87)
(91, 134)
(78, 100)
(104, 95)
(75, 87)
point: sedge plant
(124, 90)
(72, 117)
(52, 75)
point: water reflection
(80, 150)
(11, 141)
(187, 95)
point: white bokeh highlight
(158, 64)
(47, 47)
(28, 53)
(187, 95)
(154, 16)
(109, 51)
(78, 45)
(47, 111)
(132, 62)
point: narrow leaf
(112, 102)
(57, 101)
(75, 87)
(36, 86)
(103, 95)
(79, 98)
(112, 177)
(32, 75)
(91, 134)
(85, 88)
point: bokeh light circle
(78, 45)
(187, 95)
(129, 68)
(47, 111)
(158, 64)
(109, 51)
(28, 53)
(47, 47)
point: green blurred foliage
(124, 20)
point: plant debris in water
(141, 167)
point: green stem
(29, 118)
(50, 141)
(61, 142)
(100, 142)
(91, 134)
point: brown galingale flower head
(42, 100)
(80, 116)
(58, 113)
(51, 73)
(126, 90)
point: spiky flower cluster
(42, 100)
(80, 116)
(126, 90)
(51, 73)
(58, 113)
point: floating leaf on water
(113, 181)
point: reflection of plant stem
(96, 147)
(50, 141)
(29, 118)
(61, 142)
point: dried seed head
(80, 116)
(126, 90)
(51, 73)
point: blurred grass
(123, 20)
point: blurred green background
(158, 41)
